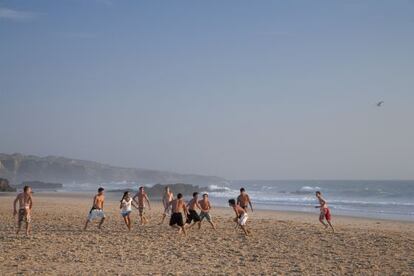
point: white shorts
(96, 213)
(243, 219)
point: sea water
(375, 199)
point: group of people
(195, 210)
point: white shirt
(126, 205)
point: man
(325, 212)
(97, 209)
(244, 200)
(178, 207)
(140, 199)
(192, 213)
(166, 199)
(205, 211)
(241, 216)
(25, 200)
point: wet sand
(282, 243)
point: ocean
(359, 198)
(372, 199)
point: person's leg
(19, 226)
(100, 223)
(321, 218)
(208, 217)
(329, 222)
(125, 220)
(86, 224)
(163, 218)
(27, 228)
(129, 222)
(183, 230)
(243, 227)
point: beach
(290, 243)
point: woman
(126, 208)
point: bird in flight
(379, 104)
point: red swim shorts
(327, 214)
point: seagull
(379, 104)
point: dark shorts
(24, 216)
(192, 215)
(177, 218)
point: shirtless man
(241, 216)
(205, 211)
(325, 212)
(192, 213)
(244, 200)
(166, 199)
(139, 198)
(25, 208)
(97, 209)
(178, 207)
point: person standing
(25, 200)
(178, 207)
(140, 198)
(192, 213)
(126, 208)
(166, 199)
(325, 213)
(97, 209)
(241, 216)
(205, 211)
(243, 200)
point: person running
(25, 200)
(140, 199)
(97, 209)
(325, 212)
(205, 211)
(178, 207)
(192, 213)
(244, 200)
(126, 208)
(166, 199)
(241, 216)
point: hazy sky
(239, 89)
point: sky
(237, 89)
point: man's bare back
(98, 201)
(178, 206)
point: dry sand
(282, 243)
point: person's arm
(250, 203)
(30, 202)
(147, 199)
(168, 205)
(14, 205)
(185, 210)
(198, 205)
(237, 214)
(135, 198)
(238, 200)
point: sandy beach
(282, 243)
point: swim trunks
(243, 219)
(204, 215)
(96, 213)
(177, 218)
(192, 215)
(24, 216)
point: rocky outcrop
(19, 168)
(5, 187)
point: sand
(282, 243)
